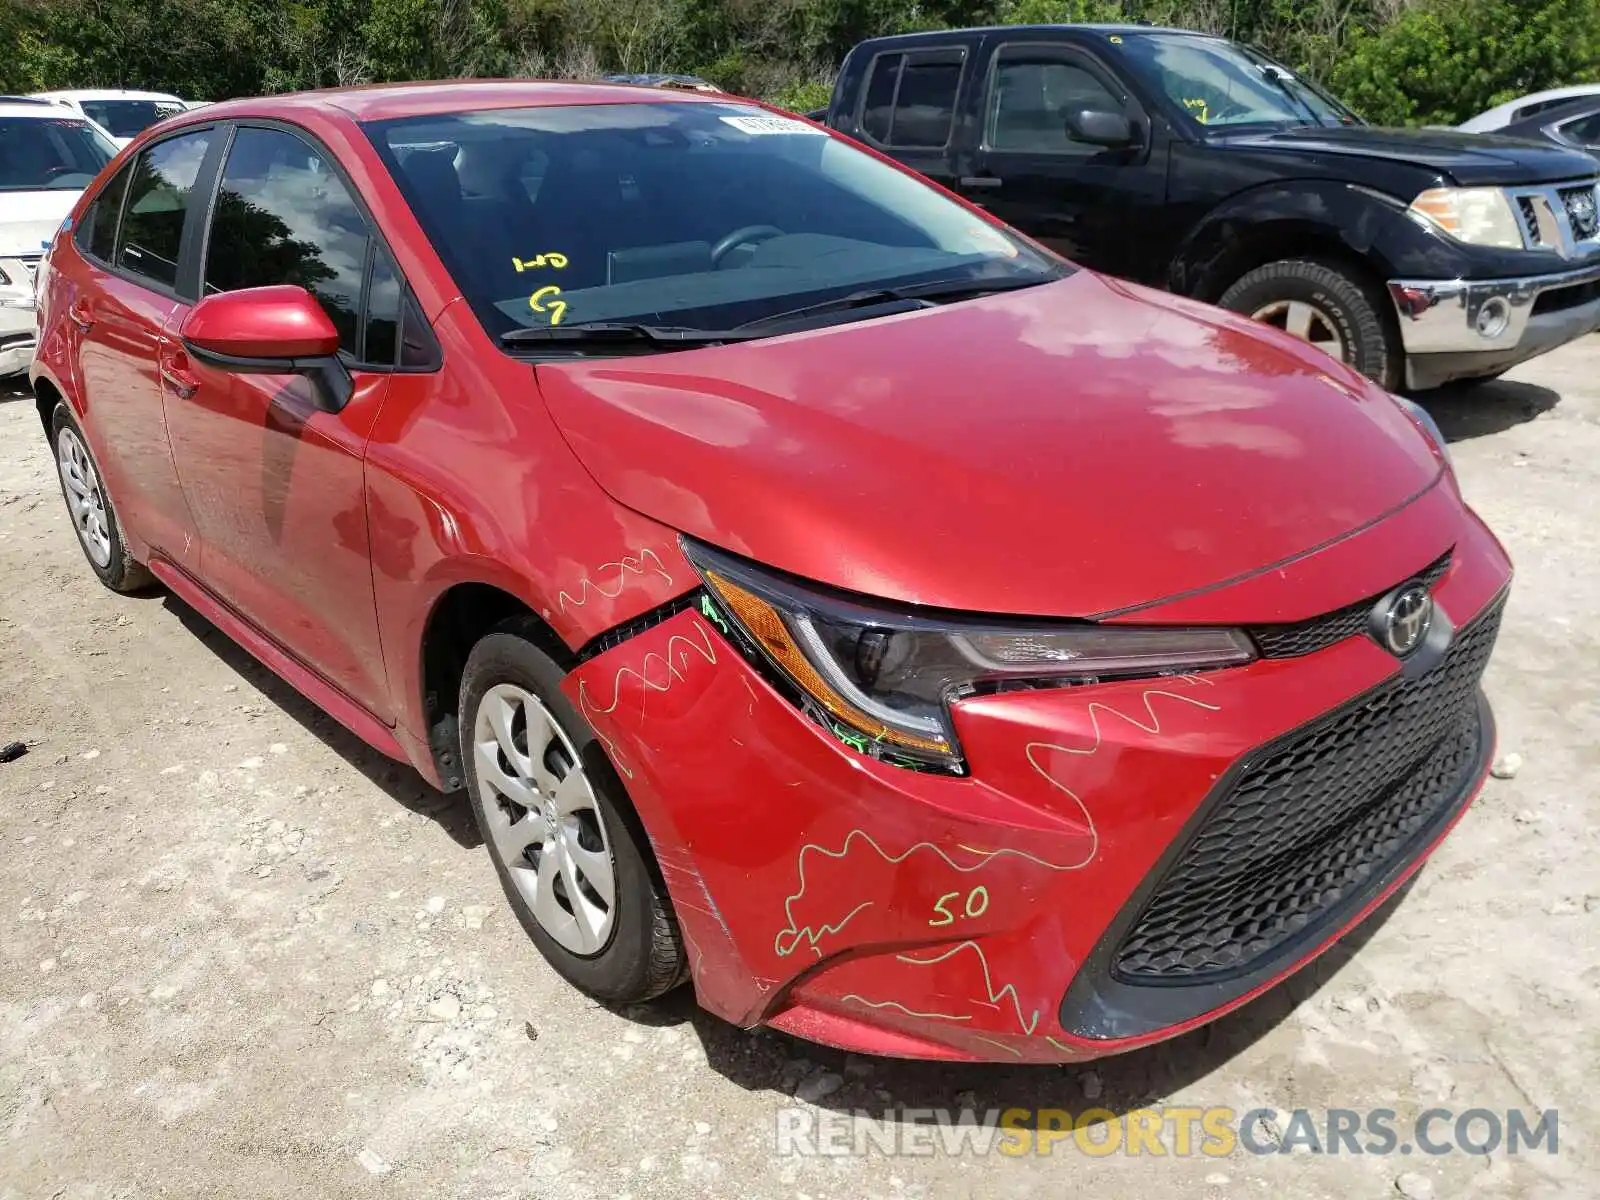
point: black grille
(1311, 821)
(1559, 299)
(1530, 219)
(1305, 637)
(1580, 206)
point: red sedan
(822, 593)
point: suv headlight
(883, 678)
(1479, 216)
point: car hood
(1471, 159)
(1070, 450)
(29, 219)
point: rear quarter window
(97, 233)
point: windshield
(50, 152)
(126, 118)
(698, 215)
(1218, 82)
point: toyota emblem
(1404, 620)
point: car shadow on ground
(886, 1088)
(1473, 410)
(400, 782)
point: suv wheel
(94, 517)
(1326, 304)
(571, 854)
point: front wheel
(94, 517)
(1326, 304)
(571, 854)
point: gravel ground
(244, 956)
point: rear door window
(910, 99)
(158, 197)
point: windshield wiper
(917, 295)
(621, 333)
(1276, 77)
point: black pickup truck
(1193, 163)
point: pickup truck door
(1094, 205)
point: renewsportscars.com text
(1171, 1130)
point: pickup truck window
(1585, 131)
(1030, 95)
(911, 98)
(1216, 82)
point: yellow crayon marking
(1028, 1023)
(551, 259)
(977, 903)
(932, 1016)
(557, 309)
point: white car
(48, 155)
(1523, 107)
(123, 114)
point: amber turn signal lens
(764, 624)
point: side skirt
(277, 660)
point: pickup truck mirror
(1100, 128)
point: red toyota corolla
(822, 593)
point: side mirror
(1100, 128)
(279, 330)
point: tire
(94, 515)
(1343, 302)
(629, 950)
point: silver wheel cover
(85, 500)
(543, 820)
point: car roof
(41, 109)
(1122, 28)
(385, 101)
(1503, 114)
(1561, 113)
(105, 94)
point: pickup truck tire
(572, 856)
(1328, 305)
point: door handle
(981, 181)
(78, 314)
(183, 386)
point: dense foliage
(1422, 61)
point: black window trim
(907, 54)
(375, 241)
(122, 273)
(1073, 53)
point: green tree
(1441, 61)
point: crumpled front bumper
(1466, 328)
(887, 911)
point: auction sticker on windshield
(761, 125)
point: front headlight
(882, 679)
(1479, 216)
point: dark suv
(1195, 164)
